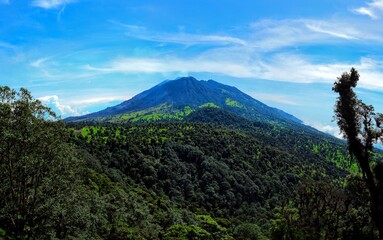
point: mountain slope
(177, 98)
(218, 169)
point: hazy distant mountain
(176, 99)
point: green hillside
(233, 175)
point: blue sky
(79, 56)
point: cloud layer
(269, 50)
(285, 67)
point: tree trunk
(378, 210)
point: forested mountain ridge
(237, 171)
(175, 99)
(289, 138)
(235, 174)
(215, 175)
(218, 157)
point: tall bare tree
(362, 128)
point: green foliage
(210, 104)
(156, 114)
(237, 173)
(248, 231)
(206, 227)
(233, 103)
(40, 172)
(3, 233)
(335, 155)
(284, 223)
(324, 211)
(210, 225)
(180, 232)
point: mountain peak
(170, 98)
(189, 78)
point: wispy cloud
(322, 27)
(7, 45)
(269, 35)
(191, 39)
(51, 4)
(373, 9)
(289, 67)
(182, 66)
(278, 98)
(128, 26)
(39, 62)
(178, 38)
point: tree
(362, 128)
(39, 170)
(323, 211)
(248, 231)
(186, 232)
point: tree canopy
(38, 168)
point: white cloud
(330, 129)
(79, 105)
(92, 100)
(366, 11)
(51, 4)
(371, 74)
(54, 103)
(373, 9)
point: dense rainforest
(214, 175)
